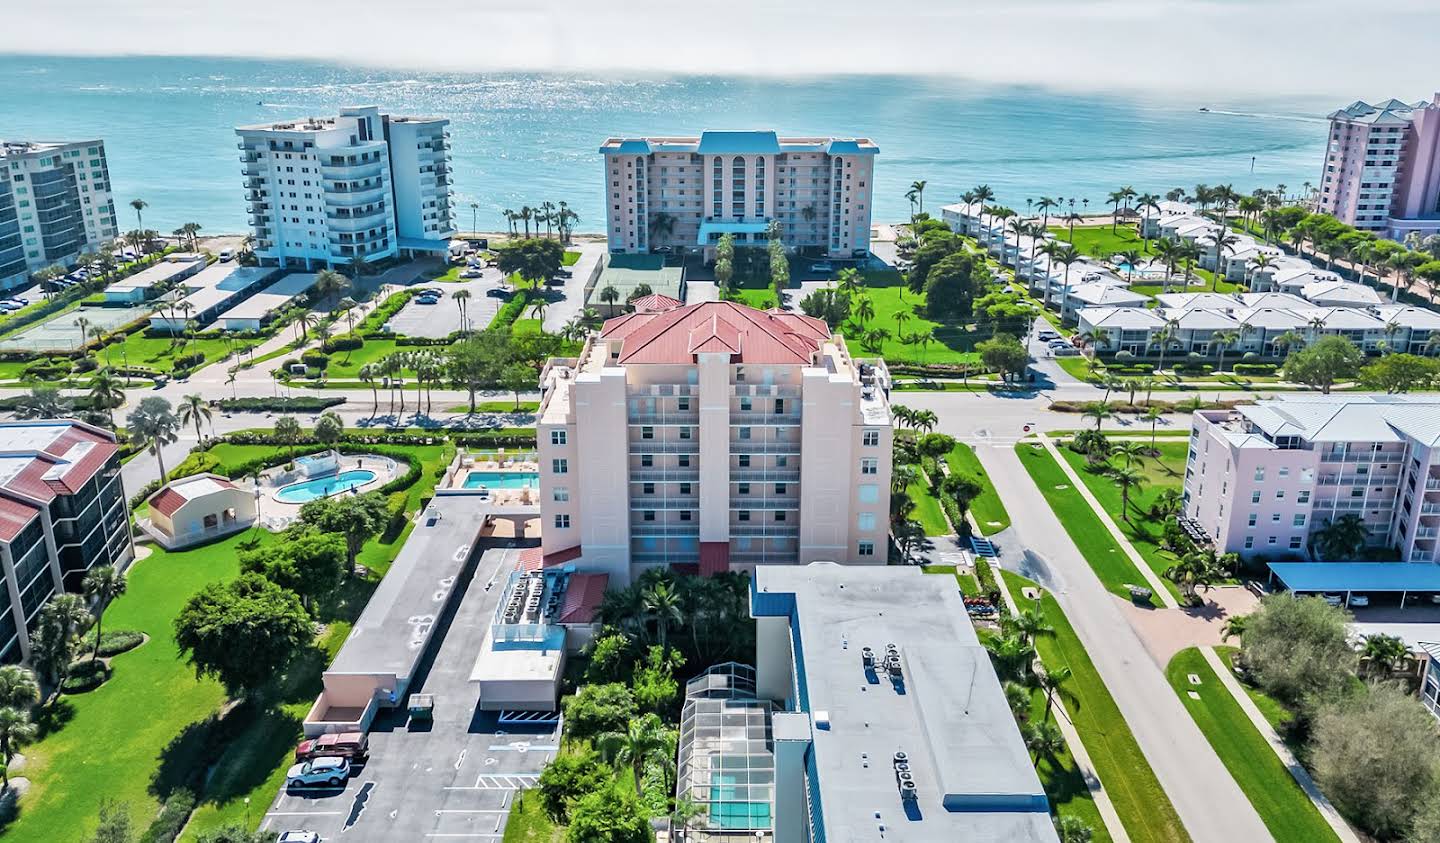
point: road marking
(522, 747)
(463, 834)
(470, 811)
(303, 813)
(461, 760)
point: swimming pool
(324, 487)
(502, 479)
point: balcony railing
(779, 531)
(661, 418)
(665, 475)
(656, 528)
(756, 446)
(776, 557)
(761, 475)
(664, 502)
(761, 419)
(757, 502)
(662, 446)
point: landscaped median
(1285, 809)
(1093, 540)
(987, 508)
(1144, 809)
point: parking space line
(470, 811)
(303, 813)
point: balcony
(1432, 484)
(777, 531)
(761, 419)
(755, 557)
(762, 475)
(356, 196)
(755, 446)
(660, 528)
(766, 390)
(662, 446)
(743, 502)
(1427, 533)
(661, 418)
(1430, 509)
(351, 172)
(665, 475)
(664, 502)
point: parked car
(1064, 351)
(227, 255)
(427, 300)
(298, 837)
(331, 772)
(1359, 601)
(1048, 336)
(471, 273)
(9, 307)
(822, 266)
(497, 292)
(352, 745)
(1333, 599)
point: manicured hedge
(85, 675)
(172, 818)
(114, 642)
(299, 404)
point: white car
(227, 255)
(1333, 599)
(1359, 601)
(330, 772)
(298, 837)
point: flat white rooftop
(273, 297)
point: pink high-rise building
(1382, 167)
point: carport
(1364, 577)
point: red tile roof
(654, 303)
(74, 456)
(14, 515)
(534, 559)
(746, 334)
(168, 501)
(582, 597)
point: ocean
(523, 139)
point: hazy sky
(1232, 48)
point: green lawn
(570, 258)
(969, 584)
(1167, 472)
(988, 509)
(159, 353)
(527, 822)
(495, 407)
(954, 342)
(927, 510)
(1285, 809)
(1274, 712)
(1143, 807)
(1095, 543)
(1100, 242)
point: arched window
(760, 187)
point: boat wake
(1263, 116)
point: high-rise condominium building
(55, 205)
(1262, 478)
(714, 434)
(682, 194)
(1382, 167)
(62, 512)
(367, 185)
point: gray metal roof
(1348, 418)
(974, 778)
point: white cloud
(1233, 50)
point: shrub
(596, 709)
(395, 514)
(114, 641)
(85, 675)
(315, 359)
(189, 361)
(298, 404)
(47, 369)
(85, 364)
(1263, 369)
(346, 342)
(570, 776)
(171, 819)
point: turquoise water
(727, 811)
(324, 487)
(524, 139)
(502, 479)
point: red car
(352, 745)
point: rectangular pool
(502, 479)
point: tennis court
(62, 332)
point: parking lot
(453, 778)
(443, 318)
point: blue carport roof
(1357, 576)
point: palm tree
(982, 194)
(1028, 624)
(1128, 479)
(153, 424)
(1195, 570)
(1383, 654)
(1340, 538)
(643, 740)
(1147, 202)
(1223, 242)
(1044, 740)
(918, 188)
(16, 731)
(1223, 340)
(610, 295)
(1043, 205)
(106, 392)
(462, 301)
(102, 585)
(1131, 257)
(663, 603)
(1115, 198)
(1052, 682)
(1234, 627)
(369, 374)
(926, 420)
(863, 309)
(1099, 411)
(1070, 220)
(18, 687)
(139, 205)
(330, 284)
(1153, 415)
(1130, 452)
(526, 214)
(84, 325)
(194, 409)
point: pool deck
(276, 514)
(523, 463)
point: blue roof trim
(742, 143)
(850, 147)
(1357, 576)
(628, 147)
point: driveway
(453, 779)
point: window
(782, 461)
(560, 466)
(560, 494)
(1279, 494)
(744, 404)
(647, 432)
(779, 488)
(1251, 521)
(870, 438)
(1275, 518)
(1295, 542)
(744, 433)
(1249, 542)
(869, 465)
(867, 493)
(684, 460)
(743, 461)
(743, 489)
(647, 515)
(779, 515)
(1299, 520)
(685, 514)
(647, 489)
(1255, 496)
(743, 515)
(562, 521)
(1303, 496)
(865, 521)
(1259, 473)
(685, 489)
(1284, 471)
(648, 460)
(684, 403)
(557, 437)
(685, 433)
(865, 549)
(1270, 540)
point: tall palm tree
(18, 687)
(462, 301)
(1044, 740)
(1128, 479)
(1099, 411)
(16, 731)
(369, 374)
(106, 392)
(1194, 571)
(1223, 340)
(642, 740)
(663, 604)
(1147, 202)
(153, 424)
(1384, 654)
(1043, 205)
(102, 585)
(194, 409)
(1223, 241)
(919, 188)
(139, 205)
(1052, 682)
(1115, 197)
(1070, 220)
(330, 284)
(982, 194)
